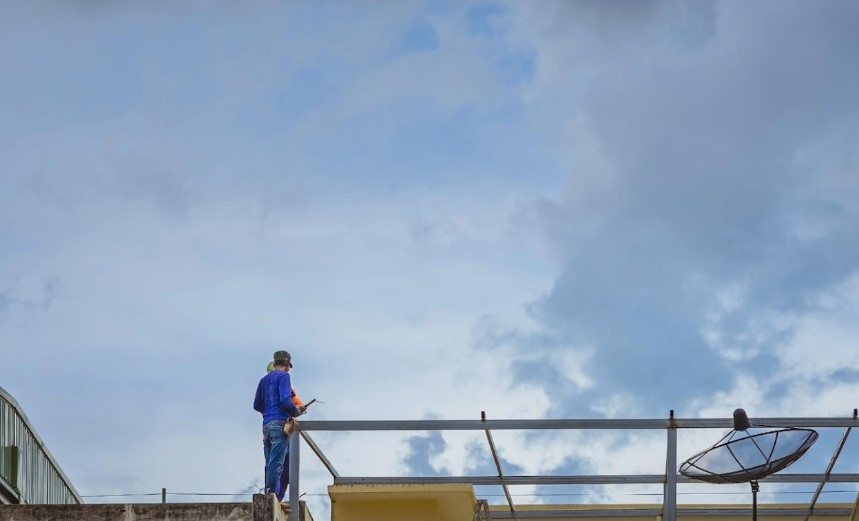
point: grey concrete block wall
(261, 508)
(266, 508)
(136, 512)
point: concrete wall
(262, 508)
(139, 512)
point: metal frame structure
(669, 479)
(38, 479)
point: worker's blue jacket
(274, 397)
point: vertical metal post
(755, 488)
(669, 493)
(294, 444)
(163, 496)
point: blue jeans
(275, 447)
(284, 478)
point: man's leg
(266, 450)
(283, 481)
(279, 446)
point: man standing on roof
(274, 401)
(283, 482)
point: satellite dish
(744, 457)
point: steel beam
(810, 478)
(593, 479)
(294, 468)
(498, 466)
(477, 425)
(509, 480)
(829, 468)
(316, 450)
(568, 424)
(669, 492)
(670, 479)
(580, 513)
(656, 512)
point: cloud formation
(542, 209)
(702, 193)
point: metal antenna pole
(755, 488)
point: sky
(546, 209)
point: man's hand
(301, 409)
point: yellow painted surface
(855, 516)
(402, 502)
(305, 513)
(387, 511)
(457, 502)
(743, 517)
(581, 507)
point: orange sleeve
(296, 400)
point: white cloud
(179, 210)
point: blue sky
(536, 209)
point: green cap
(282, 355)
(270, 367)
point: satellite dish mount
(742, 456)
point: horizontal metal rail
(568, 424)
(578, 513)
(670, 479)
(656, 512)
(593, 479)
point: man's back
(274, 397)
